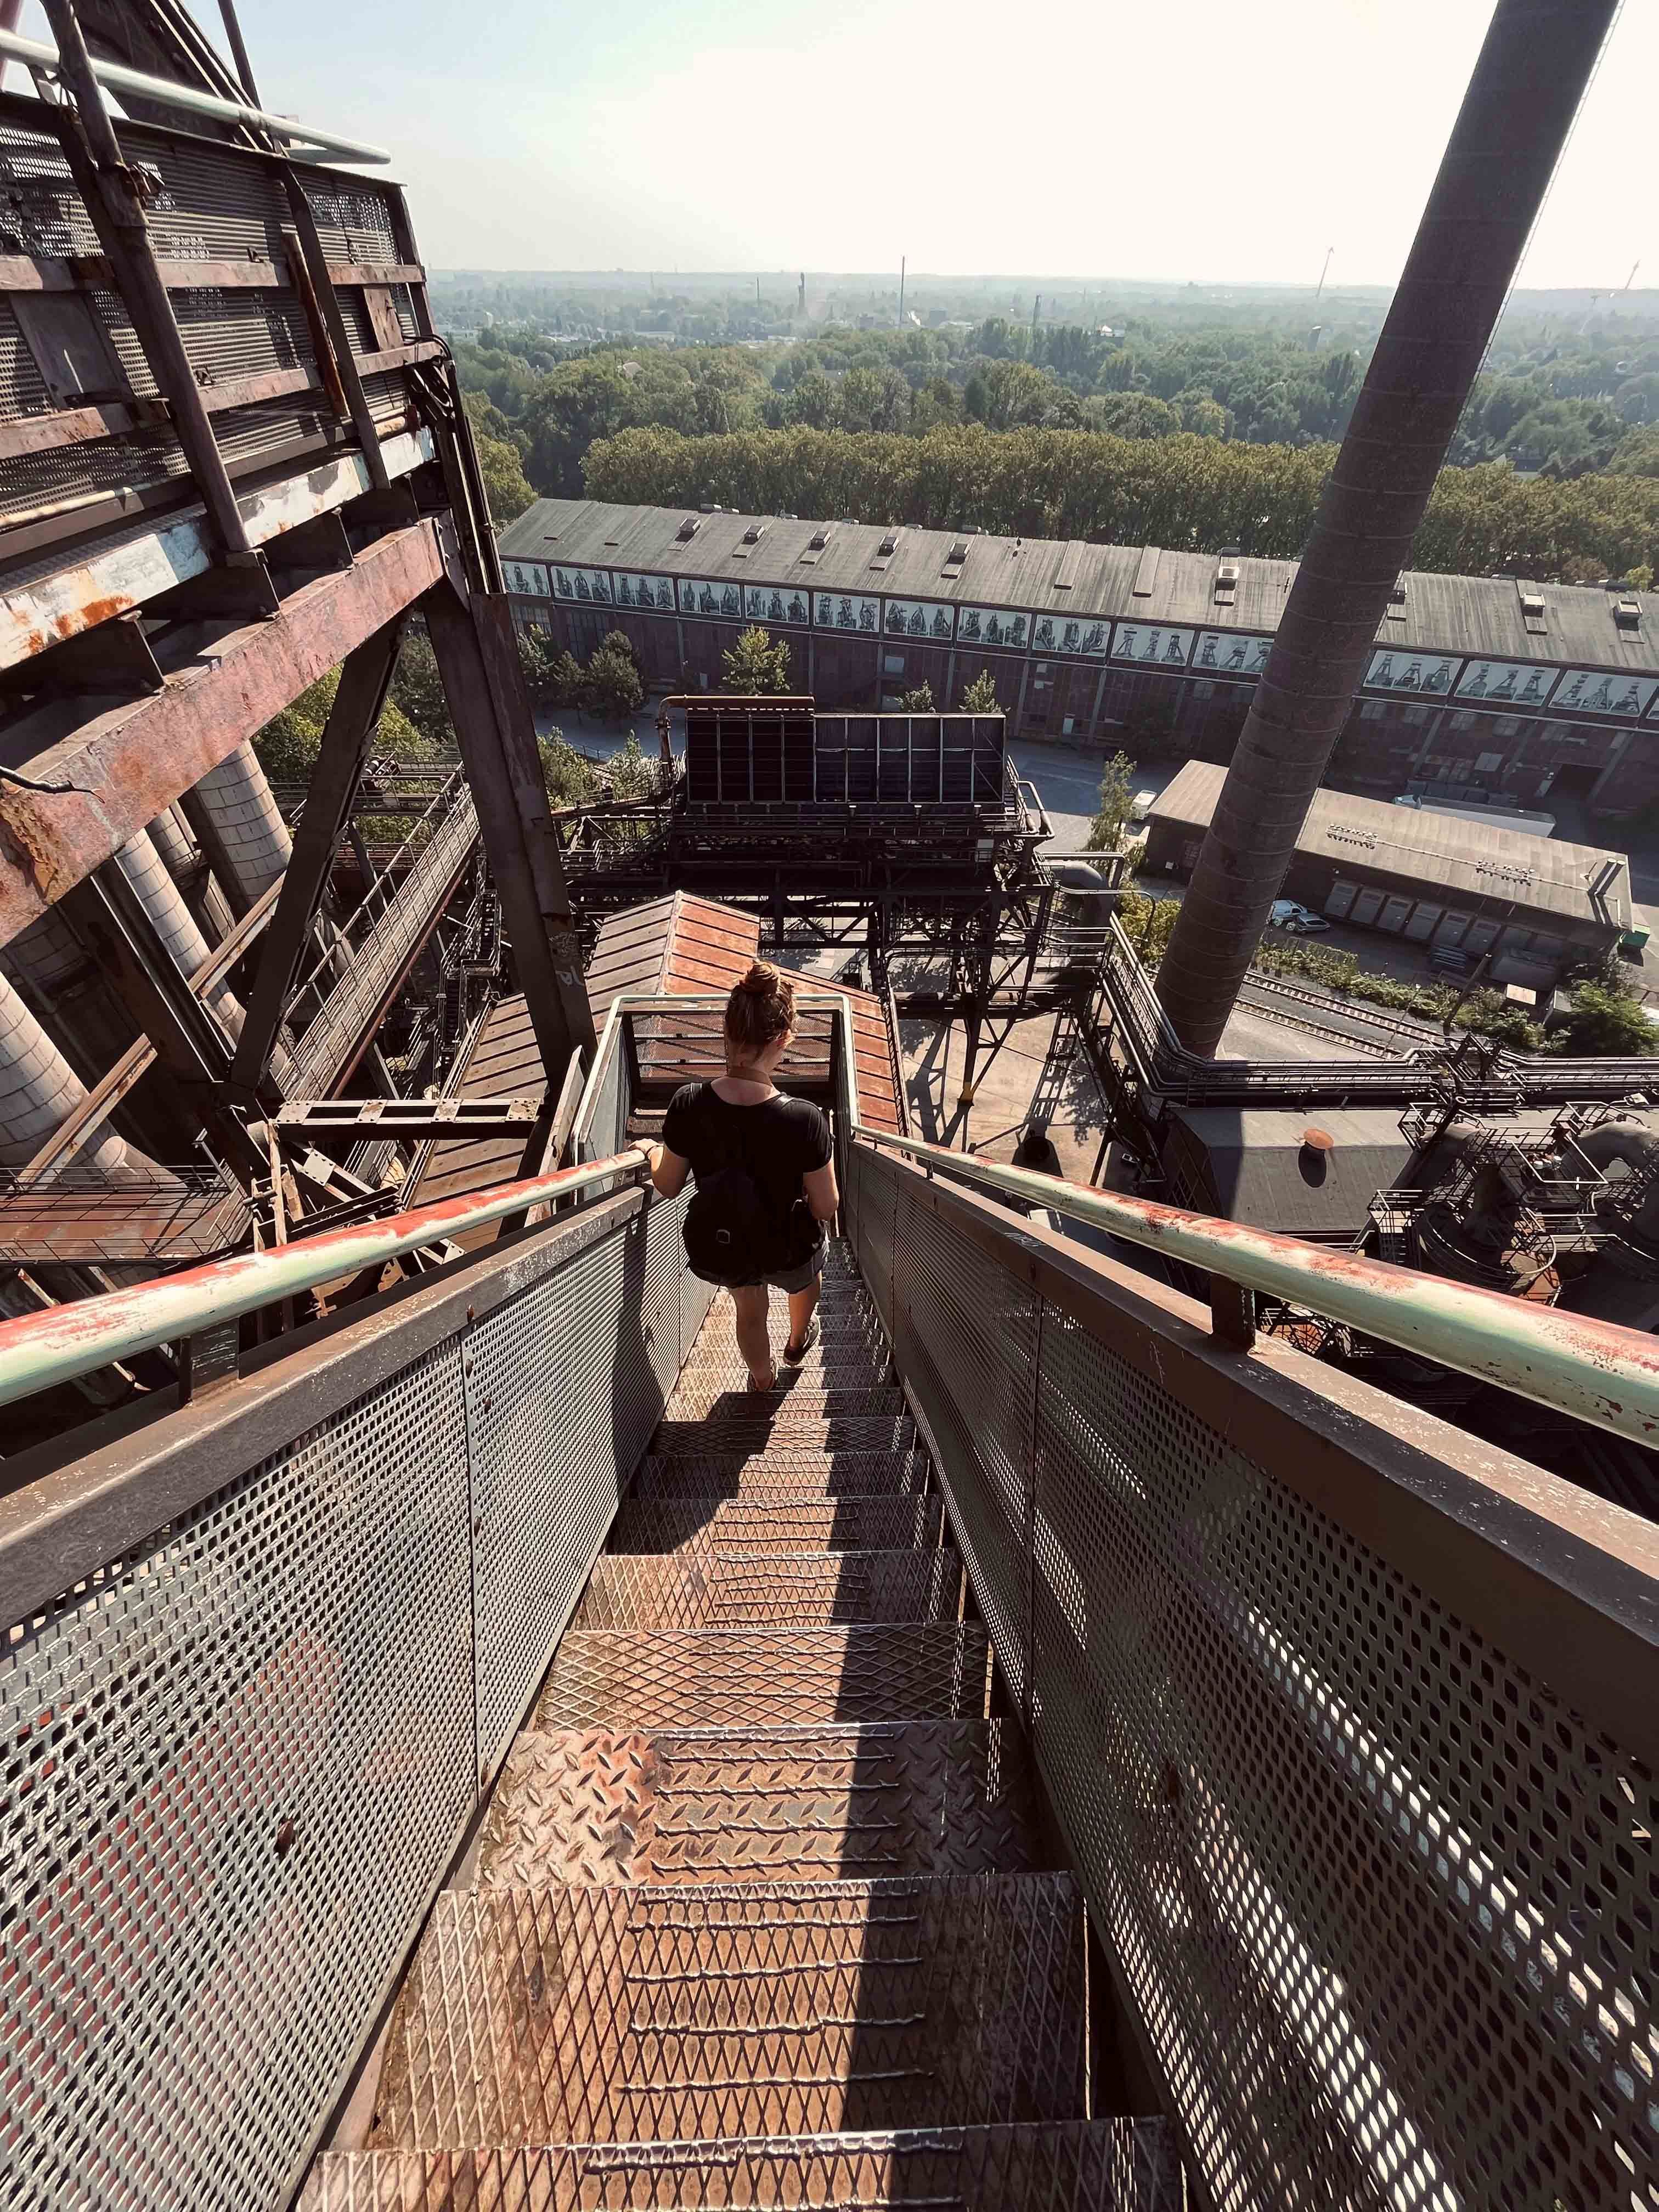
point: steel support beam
(483, 684)
(113, 194)
(352, 722)
(120, 768)
(355, 1120)
(1538, 57)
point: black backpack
(729, 1236)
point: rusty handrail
(1593, 1369)
(40, 1350)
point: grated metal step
(779, 1472)
(929, 1797)
(842, 1367)
(767, 1678)
(747, 1429)
(1074, 2166)
(558, 2015)
(761, 1525)
(795, 1397)
(800, 1590)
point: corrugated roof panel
(1474, 615)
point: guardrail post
(1232, 1314)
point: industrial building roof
(1263, 1174)
(1455, 854)
(1575, 625)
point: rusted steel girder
(124, 766)
(1538, 58)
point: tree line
(1186, 492)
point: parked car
(1296, 920)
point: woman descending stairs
(761, 1915)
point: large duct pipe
(39, 1091)
(1538, 57)
(65, 988)
(176, 926)
(171, 839)
(248, 822)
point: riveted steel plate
(799, 1590)
(749, 1525)
(558, 2014)
(776, 1474)
(929, 1797)
(1076, 2166)
(758, 1677)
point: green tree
(615, 687)
(918, 702)
(288, 746)
(1116, 796)
(417, 691)
(755, 665)
(507, 488)
(981, 696)
(571, 779)
(1606, 1020)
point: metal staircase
(762, 1911)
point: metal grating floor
(759, 1916)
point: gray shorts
(791, 1278)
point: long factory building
(1486, 685)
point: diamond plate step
(766, 1678)
(748, 1430)
(821, 1474)
(561, 2014)
(759, 1525)
(930, 1798)
(1076, 2166)
(802, 1589)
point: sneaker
(795, 1353)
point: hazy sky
(1210, 139)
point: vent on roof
(1532, 609)
(889, 544)
(1397, 591)
(1627, 613)
(754, 534)
(958, 549)
(1226, 584)
(688, 530)
(819, 539)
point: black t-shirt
(778, 1142)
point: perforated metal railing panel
(1381, 1899)
(231, 1763)
(239, 1758)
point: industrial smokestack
(1538, 57)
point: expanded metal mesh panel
(234, 1761)
(561, 1399)
(1383, 1902)
(353, 221)
(967, 1343)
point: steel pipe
(1592, 1370)
(311, 145)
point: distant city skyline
(1223, 146)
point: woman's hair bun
(762, 1006)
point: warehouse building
(1442, 880)
(1483, 684)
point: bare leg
(802, 1304)
(749, 1319)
